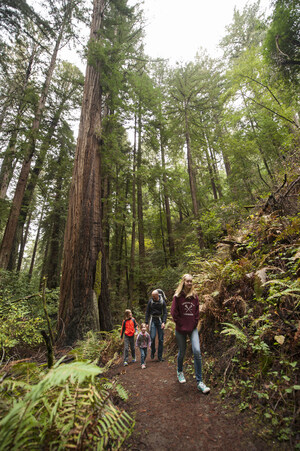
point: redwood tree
(84, 272)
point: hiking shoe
(181, 377)
(202, 387)
(133, 360)
(143, 366)
(125, 363)
(161, 360)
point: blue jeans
(156, 326)
(128, 342)
(181, 342)
(143, 355)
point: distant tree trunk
(33, 180)
(105, 216)
(7, 166)
(121, 240)
(11, 226)
(227, 164)
(54, 255)
(84, 296)
(45, 261)
(36, 242)
(167, 205)
(192, 179)
(133, 228)
(23, 242)
(224, 154)
(257, 141)
(215, 171)
(211, 175)
(142, 254)
(162, 233)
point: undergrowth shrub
(99, 347)
(22, 320)
(70, 407)
(254, 351)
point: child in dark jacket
(129, 327)
(185, 312)
(143, 342)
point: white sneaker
(181, 377)
(202, 387)
(143, 366)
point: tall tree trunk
(54, 255)
(105, 217)
(11, 226)
(7, 166)
(35, 245)
(133, 228)
(121, 241)
(84, 297)
(227, 164)
(192, 180)
(215, 170)
(33, 180)
(142, 254)
(23, 242)
(211, 175)
(167, 204)
(257, 141)
(162, 232)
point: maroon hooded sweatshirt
(185, 312)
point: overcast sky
(176, 29)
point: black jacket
(156, 309)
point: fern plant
(280, 288)
(67, 409)
(89, 348)
(234, 330)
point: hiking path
(174, 416)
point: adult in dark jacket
(156, 317)
(185, 312)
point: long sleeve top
(185, 312)
(143, 340)
(156, 309)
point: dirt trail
(173, 416)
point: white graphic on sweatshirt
(188, 308)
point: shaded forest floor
(177, 416)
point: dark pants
(128, 342)
(156, 326)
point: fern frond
(69, 408)
(232, 329)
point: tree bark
(53, 257)
(167, 204)
(84, 297)
(23, 242)
(133, 231)
(142, 286)
(192, 180)
(35, 246)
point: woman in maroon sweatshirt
(185, 312)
